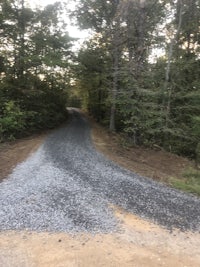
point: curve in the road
(68, 186)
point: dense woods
(138, 74)
(34, 59)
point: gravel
(68, 186)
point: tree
(93, 77)
(35, 53)
(141, 20)
(169, 59)
(104, 17)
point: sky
(73, 31)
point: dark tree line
(35, 51)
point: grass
(189, 183)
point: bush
(12, 121)
(25, 110)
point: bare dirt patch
(156, 164)
(140, 244)
(17, 151)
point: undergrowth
(189, 183)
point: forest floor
(140, 244)
(153, 163)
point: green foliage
(149, 110)
(36, 39)
(34, 70)
(190, 183)
(198, 155)
(45, 109)
(95, 14)
(12, 121)
(30, 111)
(93, 78)
(184, 107)
(146, 112)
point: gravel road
(66, 185)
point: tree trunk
(168, 68)
(114, 88)
(21, 53)
(116, 55)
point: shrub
(12, 121)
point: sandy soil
(139, 244)
(15, 152)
